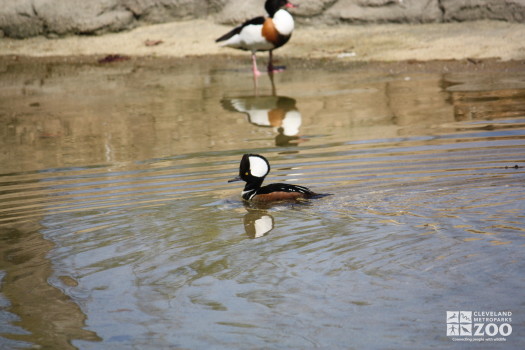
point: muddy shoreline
(224, 61)
(480, 44)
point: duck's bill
(238, 178)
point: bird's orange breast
(276, 116)
(269, 31)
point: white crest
(258, 166)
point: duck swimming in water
(253, 169)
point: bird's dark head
(253, 168)
(272, 6)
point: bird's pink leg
(256, 72)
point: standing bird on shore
(262, 34)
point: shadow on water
(35, 311)
(115, 211)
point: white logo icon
(459, 323)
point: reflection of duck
(262, 34)
(257, 223)
(253, 169)
(278, 112)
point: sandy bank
(387, 42)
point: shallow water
(119, 229)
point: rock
(236, 12)
(468, 10)
(335, 11)
(26, 18)
(83, 17)
(378, 11)
(19, 20)
(160, 11)
(311, 8)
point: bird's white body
(251, 36)
(262, 34)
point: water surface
(119, 229)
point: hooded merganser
(253, 169)
(262, 34)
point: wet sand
(475, 41)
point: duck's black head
(253, 169)
(272, 6)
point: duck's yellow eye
(246, 173)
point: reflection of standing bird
(278, 112)
(262, 34)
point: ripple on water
(157, 249)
